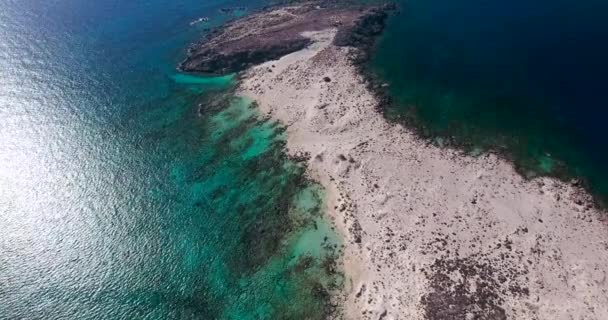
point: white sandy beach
(431, 233)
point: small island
(429, 232)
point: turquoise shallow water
(526, 78)
(120, 198)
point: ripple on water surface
(130, 192)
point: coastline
(545, 163)
(430, 233)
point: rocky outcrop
(364, 32)
(278, 31)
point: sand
(431, 233)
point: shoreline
(563, 171)
(448, 235)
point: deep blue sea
(119, 200)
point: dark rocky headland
(277, 31)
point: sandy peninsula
(430, 233)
